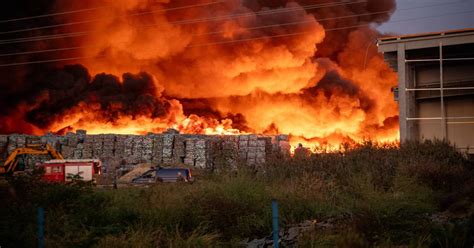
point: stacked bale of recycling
(21, 141)
(168, 140)
(72, 140)
(137, 149)
(68, 144)
(81, 135)
(87, 146)
(202, 153)
(33, 140)
(243, 144)
(76, 140)
(128, 147)
(157, 150)
(12, 143)
(32, 160)
(190, 151)
(98, 144)
(168, 148)
(261, 153)
(3, 145)
(252, 150)
(78, 151)
(119, 146)
(67, 151)
(230, 149)
(179, 146)
(282, 145)
(108, 145)
(147, 148)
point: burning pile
(307, 68)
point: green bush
(376, 195)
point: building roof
(425, 40)
(427, 35)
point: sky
(421, 16)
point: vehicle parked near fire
(167, 175)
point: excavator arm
(12, 160)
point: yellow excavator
(11, 163)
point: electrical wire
(49, 61)
(199, 20)
(77, 34)
(107, 18)
(228, 41)
(51, 14)
(84, 33)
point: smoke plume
(307, 68)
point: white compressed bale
(253, 137)
(253, 143)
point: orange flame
(275, 79)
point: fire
(226, 67)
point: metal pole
(41, 227)
(276, 236)
(441, 86)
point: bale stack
(190, 151)
(67, 151)
(147, 148)
(72, 140)
(157, 150)
(12, 143)
(78, 151)
(81, 135)
(179, 151)
(261, 150)
(252, 150)
(87, 146)
(282, 145)
(97, 146)
(230, 149)
(168, 140)
(119, 146)
(201, 153)
(3, 145)
(21, 141)
(128, 147)
(168, 148)
(137, 150)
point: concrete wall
(202, 151)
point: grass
(376, 195)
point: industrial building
(435, 85)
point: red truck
(61, 171)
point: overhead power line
(59, 13)
(326, 30)
(51, 14)
(49, 61)
(235, 41)
(208, 33)
(84, 33)
(44, 51)
(77, 34)
(191, 21)
(96, 8)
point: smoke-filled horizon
(228, 67)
